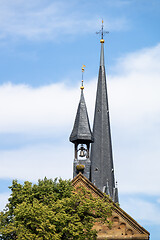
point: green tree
(51, 210)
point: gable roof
(124, 226)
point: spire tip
(102, 32)
(82, 87)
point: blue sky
(43, 45)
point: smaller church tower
(81, 137)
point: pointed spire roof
(115, 194)
(81, 129)
(101, 149)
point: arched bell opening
(81, 151)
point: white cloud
(26, 109)
(136, 86)
(37, 20)
(135, 110)
(35, 162)
(144, 211)
(138, 171)
(47, 109)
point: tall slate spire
(102, 170)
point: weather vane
(102, 32)
(83, 66)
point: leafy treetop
(51, 209)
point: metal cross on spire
(102, 32)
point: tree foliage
(51, 210)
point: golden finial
(102, 40)
(83, 66)
(82, 87)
